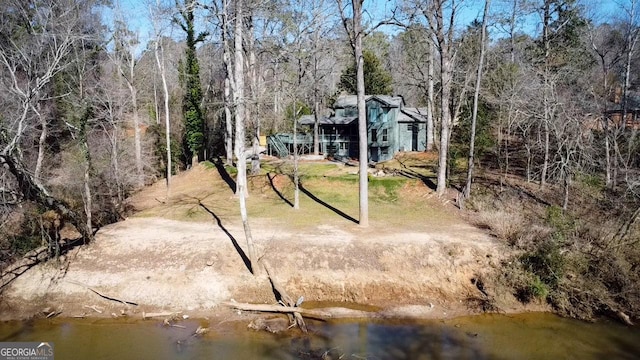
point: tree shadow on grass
(241, 252)
(412, 174)
(273, 186)
(328, 206)
(225, 175)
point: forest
(532, 108)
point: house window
(373, 114)
(385, 135)
(351, 111)
(385, 115)
(384, 152)
(409, 127)
(374, 135)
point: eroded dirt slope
(165, 264)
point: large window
(385, 114)
(374, 135)
(351, 111)
(373, 114)
(385, 135)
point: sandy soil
(193, 266)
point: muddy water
(527, 336)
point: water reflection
(527, 336)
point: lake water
(524, 336)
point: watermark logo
(26, 351)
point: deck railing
(281, 145)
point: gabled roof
(334, 120)
(352, 100)
(412, 115)
(388, 100)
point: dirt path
(192, 266)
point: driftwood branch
(284, 298)
(102, 295)
(94, 308)
(319, 314)
(160, 314)
(310, 313)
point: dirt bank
(192, 266)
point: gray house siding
(391, 127)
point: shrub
(546, 262)
(505, 225)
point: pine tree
(194, 135)
(377, 81)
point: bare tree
(604, 46)
(354, 30)
(442, 25)
(476, 94)
(125, 58)
(632, 36)
(30, 59)
(219, 11)
(430, 103)
(240, 113)
(158, 51)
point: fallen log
(159, 314)
(318, 314)
(310, 313)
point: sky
(136, 13)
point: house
(615, 112)
(392, 127)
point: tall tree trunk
(86, 196)
(316, 96)
(316, 124)
(159, 54)
(296, 172)
(476, 94)
(137, 136)
(228, 130)
(631, 40)
(115, 164)
(605, 123)
(88, 202)
(445, 119)
(226, 59)
(430, 72)
(42, 144)
(362, 116)
(546, 91)
(252, 106)
(443, 35)
(240, 113)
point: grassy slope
(330, 196)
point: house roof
(392, 101)
(334, 120)
(633, 102)
(406, 114)
(352, 100)
(412, 115)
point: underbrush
(584, 262)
